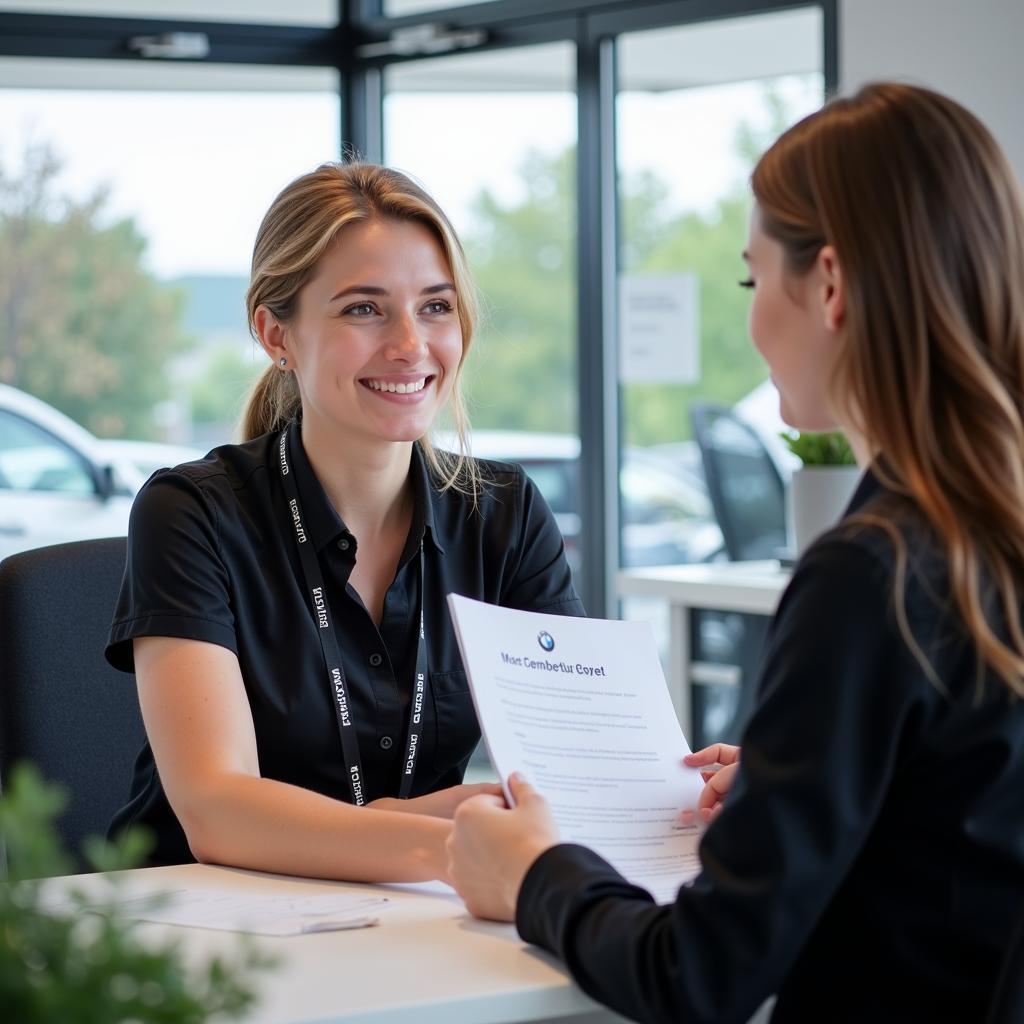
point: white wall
(973, 50)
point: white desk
(427, 961)
(752, 587)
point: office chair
(62, 706)
(744, 484)
(1007, 1006)
(748, 498)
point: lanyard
(332, 655)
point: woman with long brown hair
(868, 859)
(284, 604)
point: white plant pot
(818, 496)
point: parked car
(57, 481)
(149, 456)
(666, 518)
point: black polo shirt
(212, 556)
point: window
(140, 192)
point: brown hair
(925, 216)
(299, 227)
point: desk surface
(427, 961)
(753, 587)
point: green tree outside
(523, 376)
(709, 246)
(219, 395)
(83, 324)
(523, 255)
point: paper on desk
(258, 914)
(581, 708)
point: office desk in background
(750, 587)
(427, 962)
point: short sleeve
(175, 583)
(542, 579)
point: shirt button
(386, 742)
(375, 660)
(343, 544)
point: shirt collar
(324, 524)
(424, 524)
(868, 488)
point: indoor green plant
(821, 488)
(85, 964)
(830, 449)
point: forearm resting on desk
(267, 825)
(201, 730)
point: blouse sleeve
(818, 756)
(541, 580)
(175, 583)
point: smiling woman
(393, 232)
(284, 603)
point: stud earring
(283, 362)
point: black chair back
(744, 484)
(62, 706)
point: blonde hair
(925, 216)
(301, 224)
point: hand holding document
(580, 707)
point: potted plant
(821, 488)
(86, 963)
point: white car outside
(148, 456)
(57, 481)
(666, 515)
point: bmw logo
(546, 640)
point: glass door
(695, 106)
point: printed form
(232, 910)
(580, 707)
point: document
(580, 707)
(256, 914)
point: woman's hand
(492, 847)
(440, 804)
(719, 764)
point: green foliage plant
(829, 449)
(80, 961)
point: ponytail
(273, 401)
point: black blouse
(212, 556)
(868, 864)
